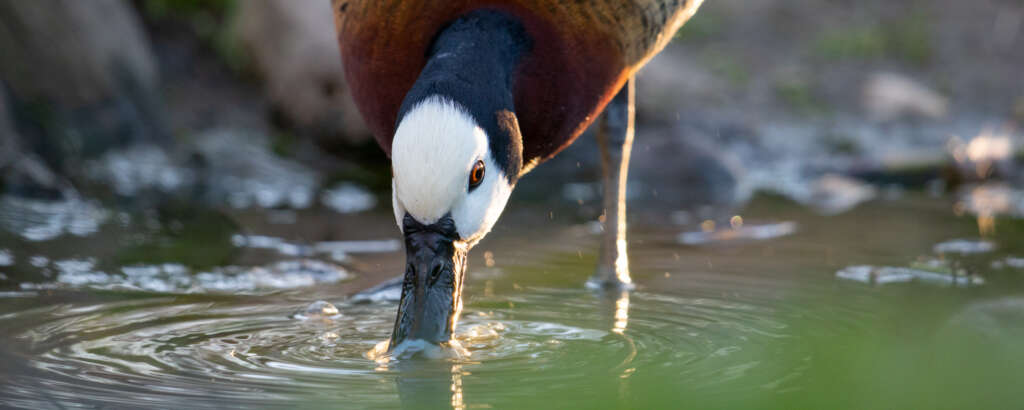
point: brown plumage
(583, 53)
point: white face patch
(435, 148)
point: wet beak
(432, 288)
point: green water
(729, 324)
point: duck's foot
(607, 279)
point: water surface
(728, 313)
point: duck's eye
(476, 176)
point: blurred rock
(8, 139)
(833, 194)
(81, 78)
(295, 50)
(888, 96)
(669, 83)
(73, 52)
(21, 172)
(988, 155)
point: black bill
(432, 288)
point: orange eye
(476, 176)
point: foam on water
(348, 198)
(132, 170)
(175, 278)
(964, 246)
(882, 275)
(336, 249)
(6, 258)
(44, 220)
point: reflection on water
(767, 324)
(621, 313)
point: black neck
(473, 63)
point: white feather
(434, 150)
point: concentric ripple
(570, 346)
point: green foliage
(905, 39)
(842, 144)
(163, 9)
(209, 20)
(702, 27)
(728, 66)
(852, 42)
(799, 96)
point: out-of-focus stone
(8, 139)
(833, 194)
(22, 172)
(294, 48)
(81, 79)
(73, 52)
(888, 96)
(671, 81)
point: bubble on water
(319, 310)
(881, 275)
(348, 198)
(964, 246)
(6, 258)
(43, 220)
(744, 232)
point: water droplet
(319, 310)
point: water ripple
(162, 350)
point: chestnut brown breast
(583, 52)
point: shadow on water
(895, 304)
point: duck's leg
(615, 138)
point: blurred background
(118, 98)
